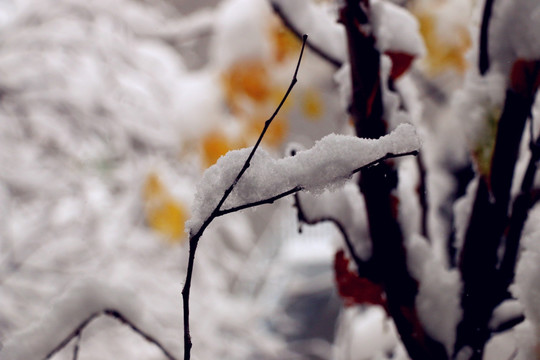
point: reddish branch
(377, 185)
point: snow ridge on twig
(330, 162)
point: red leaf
(400, 63)
(354, 289)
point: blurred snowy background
(110, 111)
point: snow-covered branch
(328, 164)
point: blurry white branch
(188, 28)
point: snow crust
(327, 164)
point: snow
(395, 29)
(328, 164)
(240, 19)
(527, 282)
(439, 295)
(514, 32)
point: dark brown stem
(377, 185)
(483, 287)
(195, 237)
(118, 316)
(422, 196)
(483, 58)
(520, 210)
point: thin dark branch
(422, 195)
(71, 336)
(115, 314)
(483, 58)
(76, 347)
(299, 188)
(194, 238)
(118, 316)
(260, 202)
(361, 265)
(316, 49)
(520, 210)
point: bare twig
(118, 316)
(377, 184)
(362, 266)
(483, 58)
(71, 336)
(76, 347)
(195, 237)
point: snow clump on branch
(328, 164)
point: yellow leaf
(164, 214)
(246, 78)
(215, 144)
(312, 105)
(285, 43)
(443, 52)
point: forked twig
(194, 238)
(76, 333)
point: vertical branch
(483, 58)
(377, 184)
(76, 347)
(483, 287)
(195, 237)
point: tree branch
(483, 287)
(76, 333)
(483, 58)
(194, 238)
(362, 266)
(296, 189)
(377, 185)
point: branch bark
(377, 184)
(483, 284)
